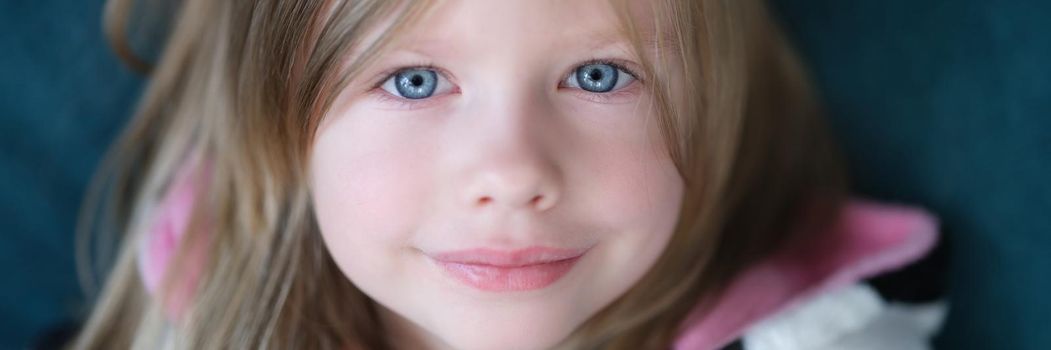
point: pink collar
(869, 239)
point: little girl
(479, 174)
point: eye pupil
(595, 74)
(416, 80)
(598, 77)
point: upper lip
(508, 258)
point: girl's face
(498, 176)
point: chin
(481, 340)
(525, 335)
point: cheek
(635, 189)
(630, 189)
(365, 191)
(645, 211)
(626, 176)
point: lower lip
(509, 279)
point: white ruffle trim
(851, 318)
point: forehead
(525, 24)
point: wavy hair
(242, 84)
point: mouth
(493, 270)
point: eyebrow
(648, 45)
(426, 47)
(604, 41)
(444, 48)
(647, 41)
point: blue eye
(413, 84)
(599, 78)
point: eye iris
(416, 83)
(597, 77)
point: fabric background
(947, 104)
(63, 98)
(944, 104)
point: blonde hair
(244, 85)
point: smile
(507, 271)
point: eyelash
(405, 103)
(605, 97)
(618, 64)
(384, 75)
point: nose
(510, 162)
(522, 181)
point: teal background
(63, 98)
(945, 104)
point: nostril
(536, 200)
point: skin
(506, 157)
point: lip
(495, 270)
